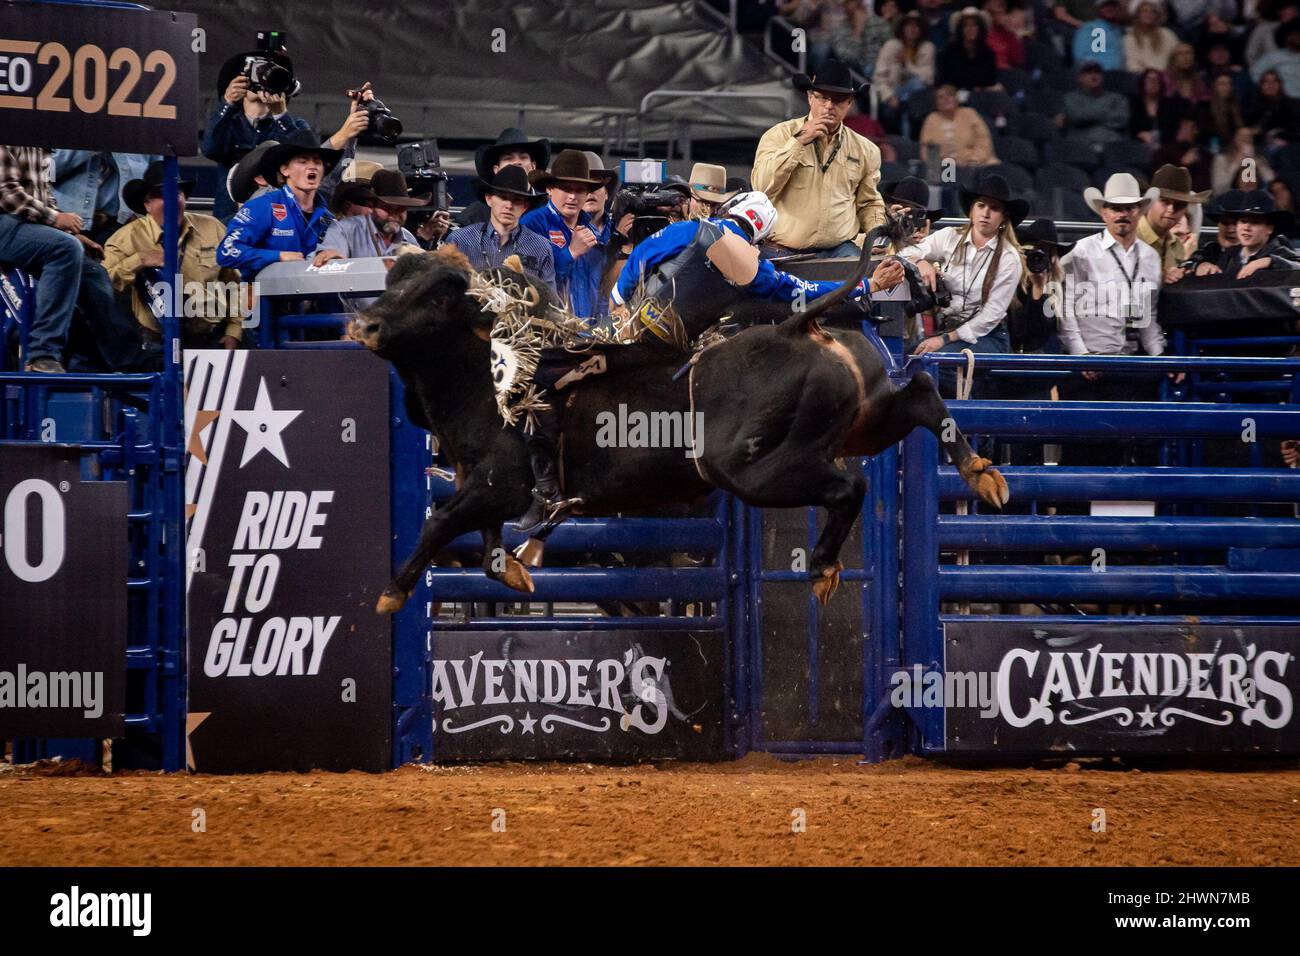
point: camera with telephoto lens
(422, 167)
(381, 121)
(1038, 261)
(269, 70)
(923, 300)
(650, 204)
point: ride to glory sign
(103, 78)
(287, 518)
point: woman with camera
(1032, 319)
(980, 265)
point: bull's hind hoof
(986, 481)
(828, 583)
(516, 576)
(390, 602)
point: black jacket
(1229, 259)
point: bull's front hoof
(516, 576)
(986, 481)
(390, 602)
(827, 584)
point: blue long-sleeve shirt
(578, 279)
(769, 283)
(229, 135)
(86, 181)
(268, 225)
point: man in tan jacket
(820, 175)
(211, 304)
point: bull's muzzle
(365, 330)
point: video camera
(422, 167)
(645, 196)
(270, 70)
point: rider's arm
(782, 287)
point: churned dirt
(908, 812)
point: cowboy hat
(959, 15)
(913, 192)
(1042, 232)
(597, 168)
(1256, 202)
(135, 191)
(1175, 182)
(833, 77)
(709, 182)
(355, 186)
(570, 166)
(390, 187)
(511, 140)
(993, 186)
(1122, 189)
(297, 143)
(508, 181)
(241, 181)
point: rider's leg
(542, 455)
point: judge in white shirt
(1113, 279)
(981, 264)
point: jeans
(845, 250)
(57, 258)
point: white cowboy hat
(1136, 5)
(1122, 189)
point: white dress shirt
(1108, 290)
(964, 268)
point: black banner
(578, 695)
(1107, 688)
(63, 594)
(99, 78)
(287, 494)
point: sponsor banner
(1108, 687)
(63, 596)
(580, 695)
(287, 549)
(99, 78)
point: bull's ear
(407, 266)
(449, 289)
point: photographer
(1032, 318)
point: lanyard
(834, 152)
(968, 276)
(1129, 279)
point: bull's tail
(800, 322)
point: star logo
(526, 722)
(263, 426)
(1147, 716)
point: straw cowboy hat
(1175, 182)
(709, 182)
(1122, 189)
(570, 165)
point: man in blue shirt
(507, 196)
(289, 222)
(574, 243)
(89, 184)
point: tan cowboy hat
(1175, 182)
(709, 182)
(960, 15)
(1122, 189)
(361, 170)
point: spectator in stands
(1101, 40)
(289, 222)
(1181, 147)
(1148, 43)
(1257, 248)
(1273, 13)
(1239, 166)
(386, 199)
(1008, 49)
(1115, 278)
(512, 148)
(1273, 114)
(820, 175)
(1217, 33)
(967, 62)
(981, 264)
(1032, 318)
(1093, 113)
(487, 245)
(1190, 14)
(1282, 197)
(89, 184)
(1285, 60)
(858, 37)
(133, 258)
(936, 14)
(905, 65)
(708, 190)
(1184, 78)
(1173, 185)
(1150, 110)
(1223, 114)
(957, 132)
(1073, 13)
(37, 237)
(578, 261)
(809, 16)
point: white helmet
(756, 209)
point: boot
(547, 502)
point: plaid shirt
(25, 175)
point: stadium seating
(1014, 149)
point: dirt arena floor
(908, 812)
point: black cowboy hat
(833, 77)
(241, 181)
(913, 192)
(569, 165)
(511, 140)
(1042, 232)
(298, 142)
(509, 181)
(135, 191)
(993, 186)
(235, 65)
(389, 186)
(1256, 202)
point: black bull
(781, 405)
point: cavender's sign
(109, 79)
